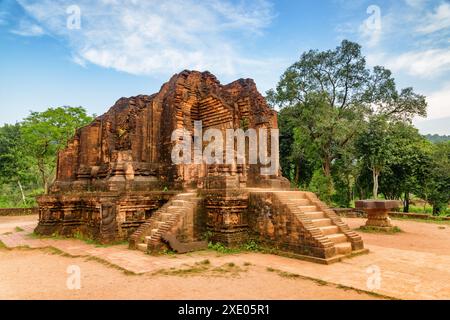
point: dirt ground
(9, 223)
(415, 236)
(415, 264)
(34, 274)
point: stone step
(315, 214)
(165, 217)
(329, 230)
(142, 247)
(179, 203)
(153, 232)
(307, 208)
(159, 224)
(300, 202)
(175, 208)
(321, 222)
(290, 194)
(343, 248)
(337, 237)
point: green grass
(250, 246)
(203, 267)
(393, 230)
(18, 229)
(427, 210)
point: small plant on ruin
(252, 245)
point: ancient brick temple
(116, 180)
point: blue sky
(130, 47)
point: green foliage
(322, 186)
(250, 246)
(345, 131)
(28, 152)
(435, 180)
(374, 148)
(219, 247)
(46, 133)
(435, 138)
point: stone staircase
(321, 223)
(153, 233)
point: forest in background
(345, 134)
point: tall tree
(332, 93)
(374, 147)
(47, 132)
(434, 183)
(13, 159)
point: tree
(47, 132)
(407, 165)
(13, 158)
(435, 182)
(374, 148)
(328, 87)
(330, 95)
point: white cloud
(439, 103)
(148, 37)
(28, 29)
(429, 63)
(436, 21)
(416, 3)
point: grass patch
(392, 230)
(288, 275)
(2, 245)
(168, 252)
(203, 267)
(7, 233)
(189, 271)
(18, 229)
(250, 246)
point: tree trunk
(327, 167)
(406, 202)
(43, 177)
(21, 191)
(375, 174)
(297, 173)
(435, 210)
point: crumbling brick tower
(116, 179)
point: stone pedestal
(378, 213)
